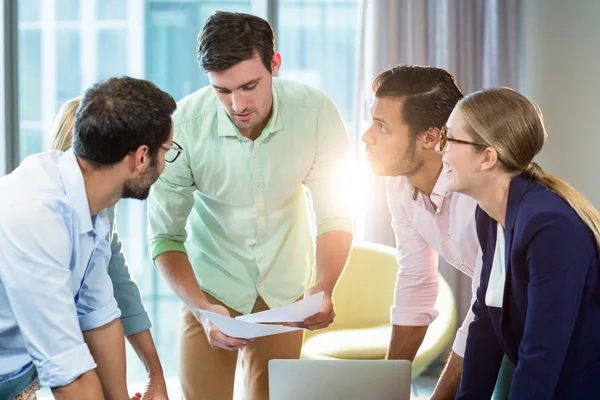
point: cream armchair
(362, 300)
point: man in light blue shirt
(58, 317)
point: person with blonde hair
(134, 318)
(538, 301)
(62, 128)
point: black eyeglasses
(172, 152)
(445, 139)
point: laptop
(339, 379)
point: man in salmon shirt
(410, 107)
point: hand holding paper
(295, 312)
(324, 315)
(244, 330)
(216, 337)
(250, 326)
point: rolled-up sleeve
(326, 180)
(35, 259)
(58, 370)
(417, 283)
(134, 317)
(170, 203)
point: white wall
(560, 71)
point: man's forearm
(450, 379)
(107, 346)
(332, 252)
(144, 347)
(177, 270)
(405, 342)
(86, 386)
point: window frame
(9, 88)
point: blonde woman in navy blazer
(538, 301)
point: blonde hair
(507, 121)
(62, 128)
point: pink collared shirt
(422, 234)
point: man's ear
(140, 159)
(276, 63)
(430, 138)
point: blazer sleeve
(559, 252)
(483, 354)
(134, 317)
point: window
(317, 40)
(3, 81)
(172, 30)
(67, 45)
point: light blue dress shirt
(54, 280)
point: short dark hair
(429, 94)
(119, 115)
(229, 38)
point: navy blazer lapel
(516, 191)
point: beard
(139, 189)
(253, 123)
(406, 165)
(410, 163)
(260, 115)
(132, 191)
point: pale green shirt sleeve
(170, 203)
(326, 180)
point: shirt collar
(440, 189)
(102, 224)
(227, 128)
(75, 191)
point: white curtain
(476, 40)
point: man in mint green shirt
(229, 219)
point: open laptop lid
(339, 379)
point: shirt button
(447, 237)
(260, 238)
(259, 188)
(255, 156)
(260, 260)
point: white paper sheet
(244, 330)
(295, 312)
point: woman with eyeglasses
(135, 321)
(538, 301)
